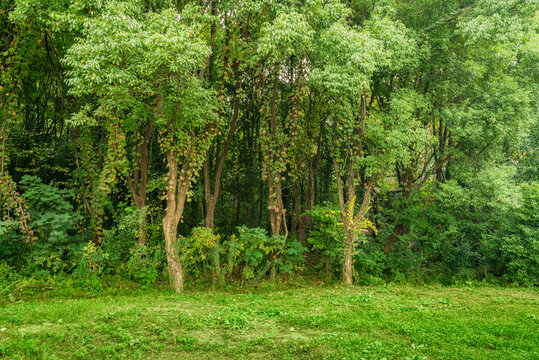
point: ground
(392, 322)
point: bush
(200, 252)
(251, 252)
(145, 263)
(92, 262)
(513, 250)
(119, 240)
(477, 225)
(292, 259)
(249, 255)
(369, 263)
(53, 220)
(327, 236)
(8, 275)
(12, 248)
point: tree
(145, 64)
(285, 40)
(473, 107)
(230, 36)
(344, 65)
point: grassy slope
(391, 322)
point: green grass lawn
(393, 322)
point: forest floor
(392, 322)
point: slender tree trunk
(175, 269)
(138, 181)
(347, 268)
(397, 231)
(275, 199)
(275, 194)
(212, 195)
(295, 221)
(176, 197)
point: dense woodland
(231, 141)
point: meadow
(272, 322)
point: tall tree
(143, 66)
(286, 40)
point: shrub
(8, 275)
(258, 251)
(92, 262)
(327, 236)
(200, 252)
(292, 259)
(145, 263)
(119, 240)
(513, 250)
(53, 220)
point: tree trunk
(296, 216)
(397, 231)
(275, 199)
(211, 202)
(275, 194)
(211, 195)
(176, 197)
(175, 269)
(138, 181)
(350, 222)
(347, 269)
(140, 203)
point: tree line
(237, 139)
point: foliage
(8, 275)
(292, 260)
(254, 249)
(398, 139)
(16, 233)
(92, 262)
(54, 221)
(145, 263)
(201, 251)
(513, 249)
(328, 234)
(482, 225)
(121, 239)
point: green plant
(120, 239)
(92, 261)
(15, 222)
(513, 250)
(8, 275)
(257, 249)
(292, 259)
(327, 235)
(144, 263)
(53, 220)
(252, 253)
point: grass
(392, 322)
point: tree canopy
(231, 140)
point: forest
(233, 142)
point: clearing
(392, 322)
